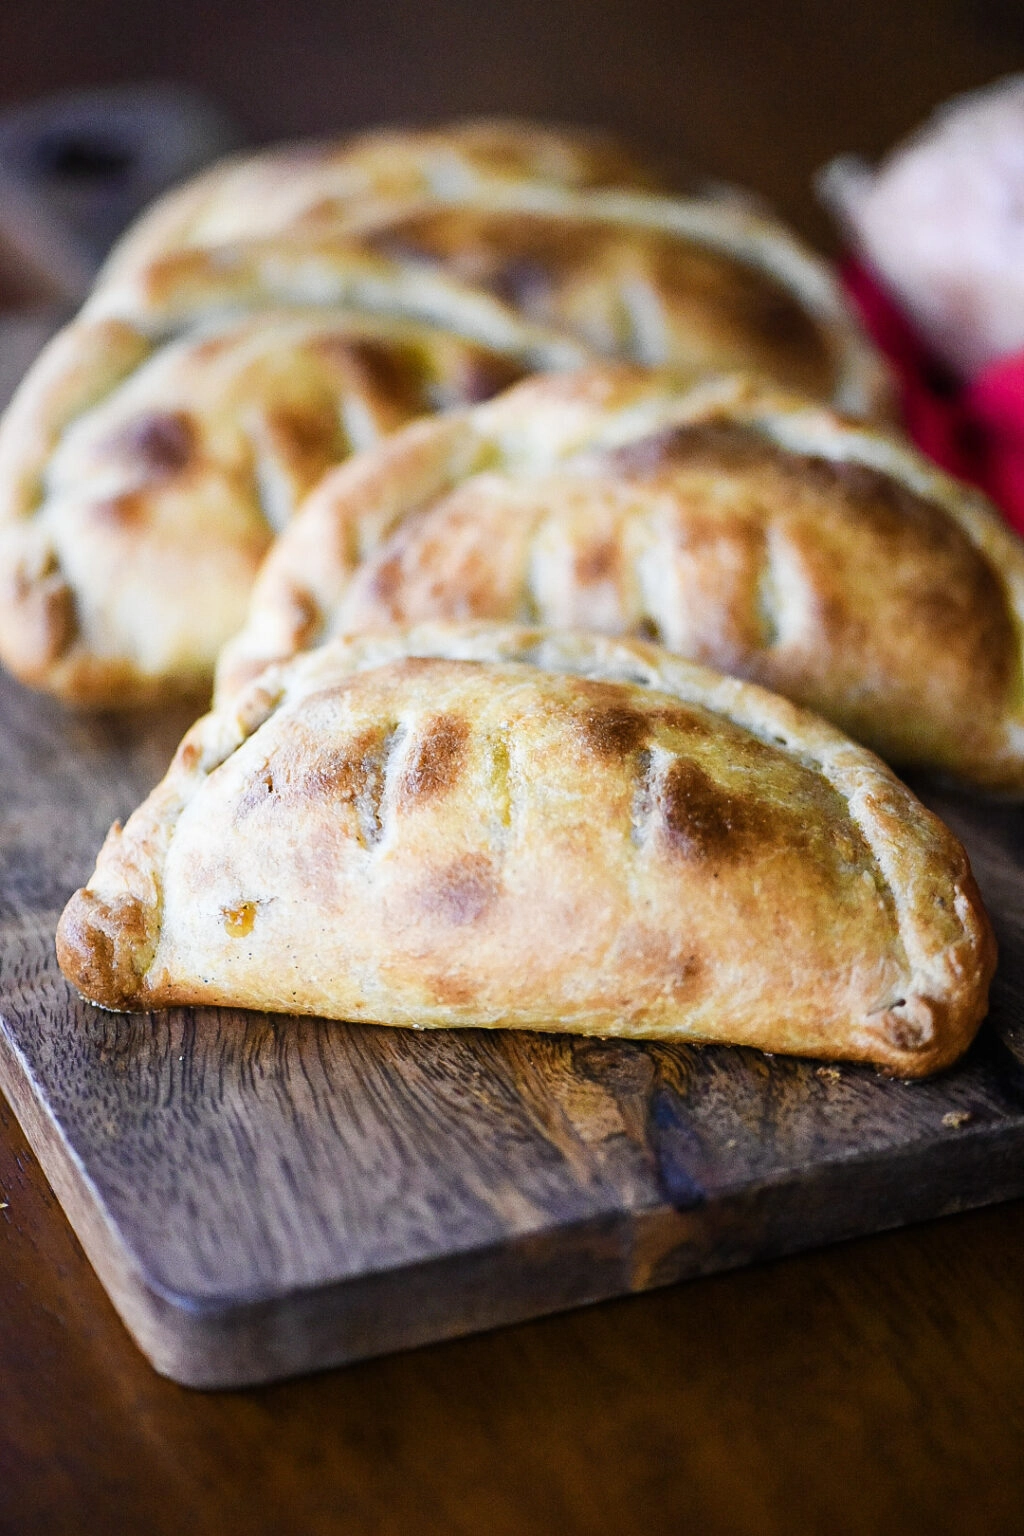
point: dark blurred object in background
(75, 168)
(752, 94)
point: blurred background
(104, 103)
(760, 94)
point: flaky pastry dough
(689, 283)
(744, 528)
(156, 446)
(514, 827)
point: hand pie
(748, 530)
(563, 226)
(319, 187)
(690, 284)
(501, 827)
(132, 516)
(149, 458)
(697, 284)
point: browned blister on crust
(509, 827)
(741, 527)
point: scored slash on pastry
(500, 827)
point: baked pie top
(705, 283)
(747, 529)
(513, 827)
(149, 457)
(681, 283)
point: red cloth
(975, 429)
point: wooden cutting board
(264, 1195)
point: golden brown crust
(686, 283)
(145, 464)
(691, 284)
(563, 225)
(694, 283)
(514, 827)
(639, 291)
(744, 528)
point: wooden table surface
(873, 1387)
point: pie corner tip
(97, 944)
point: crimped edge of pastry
(539, 424)
(108, 934)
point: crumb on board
(956, 1118)
(830, 1074)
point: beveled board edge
(243, 1342)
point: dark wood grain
(264, 1195)
(861, 1390)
